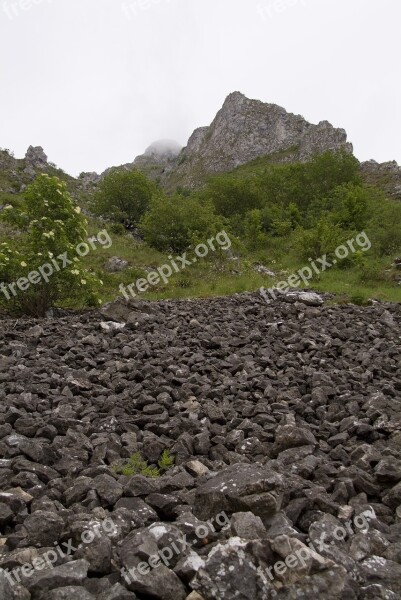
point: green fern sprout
(166, 461)
(136, 465)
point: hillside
(262, 174)
(226, 423)
(16, 174)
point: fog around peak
(163, 149)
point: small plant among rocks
(360, 300)
(166, 461)
(136, 465)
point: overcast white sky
(95, 83)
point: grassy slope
(214, 277)
(206, 278)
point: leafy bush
(173, 223)
(279, 220)
(49, 224)
(359, 300)
(324, 238)
(348, 204)
(385, 227)
(254, 235)
(329, 170)
(117, 229)
(287, 193)
(231, 196)
(301, 184)
(124, 196)
(371, 273)
(387, 239)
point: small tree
(173, 223)
(254, 235)
(47, 225)
(231, 196)
(324, 238)
(350, 205)
(331, 169)
(124, 196)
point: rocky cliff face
(386, 176)
(35, 160)
(244, 130)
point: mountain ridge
(242, 131)
(245, 129)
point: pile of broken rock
(286, 417)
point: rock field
(285, 424)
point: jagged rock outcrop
(386, 176)
(88, 180)
(244, 130)
(35, 158)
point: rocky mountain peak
(235, 99)
(35, 157)
(246, 129)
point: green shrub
(324, 238)
(280, 220)
(49, 224)
(173, 223)
(254, 236)
(349, 204)
(386, 240)
(117, 229)
(329, 170)
(124, 196)
(371, 273)
(359, 300)
(231, 196)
